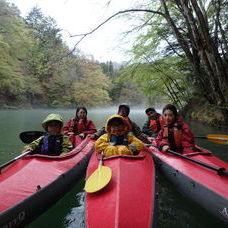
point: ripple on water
(76, 216)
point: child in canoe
(117, 140)
(154, 123)
(176, 134)
(53, 142)
(124, 111)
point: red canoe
(203, 185)
(32, 184)
(129, 198)
(75, 140)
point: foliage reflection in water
(76, 217)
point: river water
(174, 210)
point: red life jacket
(71, 127)
(174, 135)
(156, 125)
(77, 127)
(81, 126)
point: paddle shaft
(201, 137)
(101, 159)
(13, 160)
(220, 171)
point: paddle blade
(98, 179)
(29, 136)
(216, 138)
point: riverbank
(199, 110)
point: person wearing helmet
(117, 140)
(53, 143)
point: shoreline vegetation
(169, 63)
(211, 115)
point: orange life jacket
(176, 135)
(156, 125)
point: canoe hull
(195, 184)
(36, 202)
(129, 200)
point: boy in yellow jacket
(117, 140)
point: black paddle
(26, 137)
(14, 159)
(29, 136)
(220, 171)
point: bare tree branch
(83, 35)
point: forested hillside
(37, 68)
(181, 49)
(179, 56)
(181, 53)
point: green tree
(13, 49)
(193, 31)
(92, 88)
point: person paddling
(117, 140)
(53, 143)
(176, 134)
(154, 123)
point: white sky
(81, 16)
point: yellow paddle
(99, 178)
(216, 138)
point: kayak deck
(203, 185)
(39, 180)
(198, 172)
(129, 198)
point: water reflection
(76, 216)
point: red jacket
(86, 127)
(186, 138)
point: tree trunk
(202, 52)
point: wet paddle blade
(221, 139)
(98, 179)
